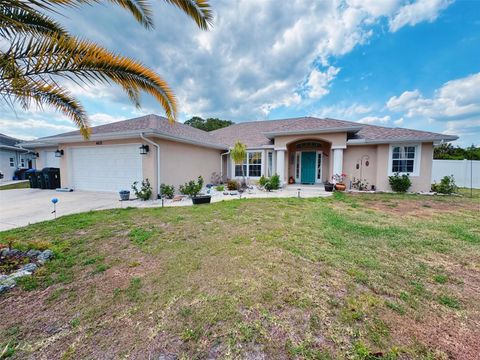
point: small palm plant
(239, 154)
(37, 51)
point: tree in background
(449, 152)
(239, 155)
(37, 52)
(209, 124)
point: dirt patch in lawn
(419, 207)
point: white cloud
(259, 56)
(416, 12)
(102, 118)
(399, 122)
(318, 82)
(456, 99)
(29, 124)
(375, 119)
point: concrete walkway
(21, 207)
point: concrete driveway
(20, 207)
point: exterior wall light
(37, 155)
(59, 153)
(144, 149)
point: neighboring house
(13, 157)
(308, 150)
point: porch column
(281, 165)
(337, 161)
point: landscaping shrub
(446, 186)
(270, 184)
(192, 188)
(262, 181)
(400, 183)
(220, 187)
(167, 191)
(275, 182)
(145, 191)
(232, 185)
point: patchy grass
(18, 185)
(353, 276)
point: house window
(270, 163)
(252, 165)
(12, 162)
(238, 169)
(404, 159)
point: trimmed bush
(446, 186)
(262, 181)
(192, 188)
(400, 183)
(145, 191)
(232, 185)
(167, 191)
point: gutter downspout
(221, 163)
(158, 159)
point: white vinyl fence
(465, 172)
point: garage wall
(65, 176)
(46, 157)
(184, 162)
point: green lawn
(19, 185)
(352, 276)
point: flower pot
(124, 195)
(328, 187)
(203, 199)
(340, 187)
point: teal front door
(308, 167)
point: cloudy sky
(412, 63)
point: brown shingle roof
(152, 122)
(260, 133)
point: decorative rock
(19, 274)
(33, 253)
(30, 267)
(6, 284)
(45, 256)
(233, 192)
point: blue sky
(393, 63)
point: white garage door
(105, 168)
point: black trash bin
(30, 176)
(52, 177)
(40, 179)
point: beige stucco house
(305, 150)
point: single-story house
(13, 157)
(305, 150)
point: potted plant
(124, 195)
(338, 180)
(192, 189)
(328, 186)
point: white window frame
(11, 160)
(298, 162)
(416, 159)
(270, 165)
(247, 172)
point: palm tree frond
(25, 21)
(199, 10)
